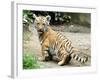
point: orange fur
(52, 40)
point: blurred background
(64, 21)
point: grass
(30, 62)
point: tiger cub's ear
(48, 18)
(34, 16)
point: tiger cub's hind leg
(65, 58)
(63, 61)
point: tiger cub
(53, 44)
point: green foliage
(28, 16)
(27, 19)
(30, 62)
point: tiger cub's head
(41, 23)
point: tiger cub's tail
(79, 57)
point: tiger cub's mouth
(40, 31)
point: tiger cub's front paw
(61, 63)
(41, 59)
(46, 58)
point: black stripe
(62, 55)
(61, 39)
(86, 59)
(59, 52)
(57, 38)
(77, 57)
(65, 40)
(59, 43)
(69, 47)
(80, 60)
(58, 34)
(71, 50)
(74, 55)
(65, 45)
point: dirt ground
(82, 41)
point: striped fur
(54, 45)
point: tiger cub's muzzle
(41, 30)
